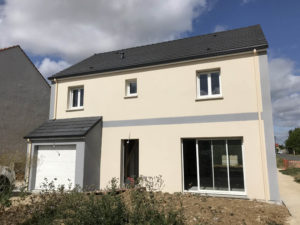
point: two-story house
(24, 100)
(196, 111)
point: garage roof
(215, 44)
(76, 127)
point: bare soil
(199, 209)
(215, 210)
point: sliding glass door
(213, 165)
(205, 165)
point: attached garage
(54, 163)
(62, 152)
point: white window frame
(209, 94)
(215, 192)
(71, 95)
(127, 88)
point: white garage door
(56, 163)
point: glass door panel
(220, 165)
(190, 164)
(235, 165)
(205, 165)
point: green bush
(106, 209)
(5, 192)
(297, 178)
(279, 162)
(147, 210)
(77, 208)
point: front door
(130, 161)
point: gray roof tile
(220, 43)
(76, 127)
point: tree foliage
(293, 141)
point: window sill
(131, 96)
(75, 109)
(209, 98)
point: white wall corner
(266, 116)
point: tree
(293, 141)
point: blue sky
(280, 21)
(57, 34)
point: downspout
(55, 99)
(260, 126)
(28, 162)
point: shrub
(5, 196)
(78, 208)
(6, 191)
(146, 209)
(92, 209)
(297, 178)
(279, 162)
(155, 183)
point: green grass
(294, 172)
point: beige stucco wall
(160, 151)
(165, 91)
(170, 91)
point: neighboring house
(196, 111)
(24, 100)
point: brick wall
(291, 164)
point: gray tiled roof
(220, 43)
(76, 127)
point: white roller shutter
(56, 163)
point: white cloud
(285, 92)
(219, 28)
(247, 1)
(75, 29)
(49, 67)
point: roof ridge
(10, 47)
(179, 39)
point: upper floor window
(208, 85)
(131, 88)
(76, 97)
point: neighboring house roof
(24, 100)
(2, 50)
(215, 44)
(7, 48)
(76, 127)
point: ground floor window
(213, 165)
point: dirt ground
(197, 210)
(213, 210)
(228, 211)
